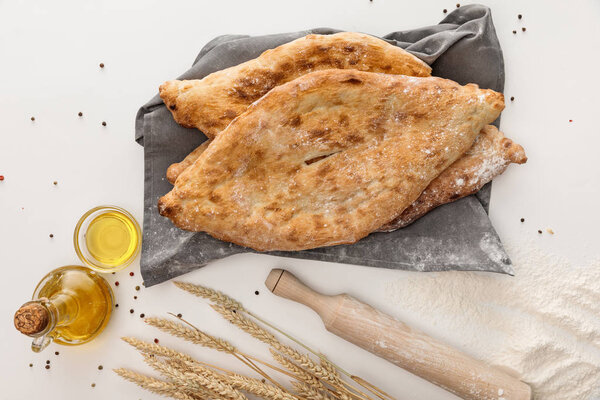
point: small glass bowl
(81, 246)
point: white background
(49, 56)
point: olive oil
(71, 305)
(111, 238)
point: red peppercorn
(155, 340)
(570, 120)
(117, 283)
(131, 274)
(1, 177)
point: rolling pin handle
(285, 284)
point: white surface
(50, 51)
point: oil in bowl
(107, 238)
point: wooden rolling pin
(395, 341)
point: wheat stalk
(210, 294)
(259, 388)
(330, 368)
(192, 335)
(300, 374)
(309, 392)
(245, 324)
(194, 381)
(302, 360)
(152, 348)
(154, 385)
(264, 336)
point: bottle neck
(62, 307)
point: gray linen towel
(457, 236)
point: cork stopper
(31, 318)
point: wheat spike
(192, 335)
(245, 324)
(331, 369)
(154, 385)
(158, 350)
(259, 388)
(301, 374)
(213, 295)
(265, 336)
(310, 393)
(194, 381)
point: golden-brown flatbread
(210, 104)
(489, 156)
(328, 158)
(176, 169)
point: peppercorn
(445, 11)
(117, 283)
(519, 16)
(100, 367)
(142, 315)
(512, 98)
(1, 177)
(457, 5)
(523, 29)
(47, 367)
(156, 340)
(131, 311)
(101, 65)
(137, 288)
(33, 118)
(55, 183)
(51, 235)
(522, 219)
(80, 114)
(514, 32)
(131, 274)
(93, 385)
(30, 365)
(256, 292)
(56, 353)
(47, 361)
(179, 315)
(135, 297)
(540, 231)
(103, 123)
(116, 305)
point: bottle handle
(41, 342)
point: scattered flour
(542, 325)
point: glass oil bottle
(71, 305)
